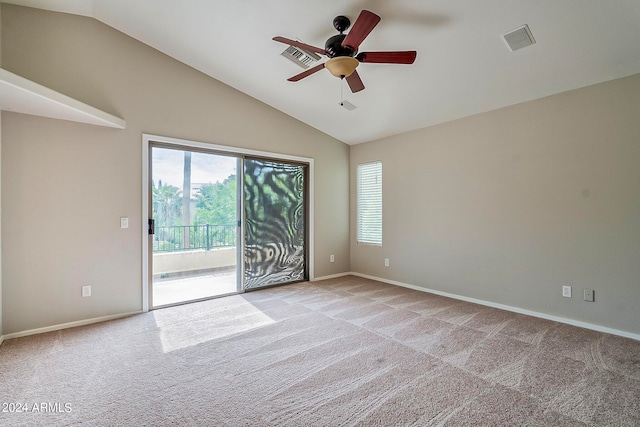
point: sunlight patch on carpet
(176, 334)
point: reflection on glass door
(275, 223)
(195, 215)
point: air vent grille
(519, 38)
(301, 57)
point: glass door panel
(194, 208)
(275, 223)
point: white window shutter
(369, 203)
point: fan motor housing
(334, 47)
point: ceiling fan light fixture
(341, 66)
(342, 49)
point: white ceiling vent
(519, 38)
(301, 57)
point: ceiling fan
(342, 50)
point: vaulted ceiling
(463, 67)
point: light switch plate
(124, 222)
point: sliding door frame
(238, 220)
(148, 140)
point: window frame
(369, 197)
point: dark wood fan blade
(364, 24)
(306, 73)
(406, 57)
(303, 46)
(355, 83)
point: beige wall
(510, 205)
(65, 185)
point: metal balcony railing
(193, 237)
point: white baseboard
(66, 325)
(578, 323)
(332, 276)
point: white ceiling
(463, 66)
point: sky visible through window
(205, 168)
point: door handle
(152, 226)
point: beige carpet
(346, 352)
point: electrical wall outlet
(386, 262)
(589, 295)
(332, 258)
(566, 291)
(86, 291)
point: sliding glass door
(222, 223)
(275, 210)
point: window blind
(369, 203)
